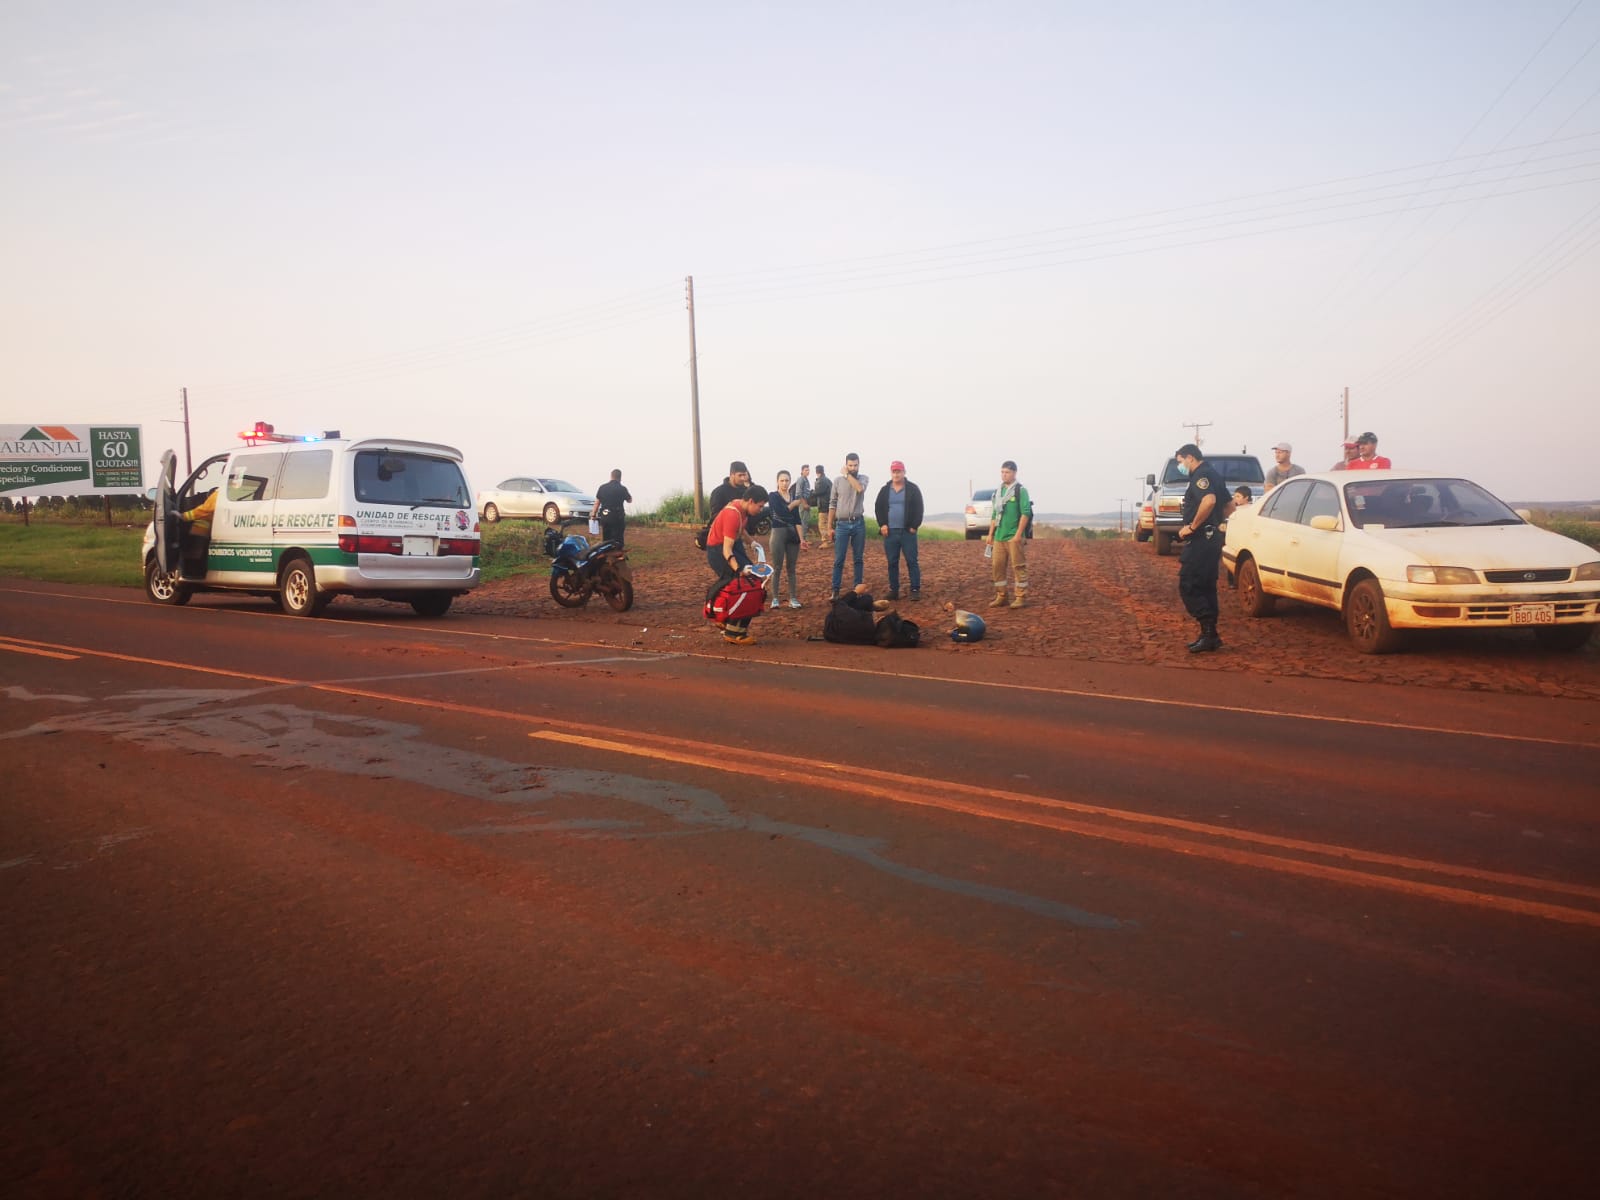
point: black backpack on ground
(894, 632)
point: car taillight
(352, 544)
(467, 546)
(971, 512)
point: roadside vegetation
(62, 544)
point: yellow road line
(995, 684)
(16, 648)
(922, 793)
(866, 780)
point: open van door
(166, 522)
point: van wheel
(1367, 620)
(1163, 543)
(1252, 599)
(162, 586)
(432, 604)
(491, 514)
(552, 513)
(297, 590)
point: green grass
(54, 550)
(57, 551)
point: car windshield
(556, 485)
(1424, 504)
(1234, 468)
(987, 494)
(400, 477)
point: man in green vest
(1007, 537)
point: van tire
(297, 589)
(432, 604)
(1163, 543)
(162, 586)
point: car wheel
(1141, 535)
(297, 589)
(974, 534)
(552, 513)
(491, 514)
(1564, 637)
(163, 586)
(620, 595)
(1254, 601)
(432, 604)
(1163, 543)
(567, 590)
(1367, 620)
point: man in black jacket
(899, 513)
(731, 488)
(609, 498)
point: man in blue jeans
(899, 512)
(847, 508)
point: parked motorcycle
(579, 570)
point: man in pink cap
(899, 513)
(1350, 452)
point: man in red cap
(1350, 453)
(899, 513)
(1367, 457)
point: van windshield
(409, 479)
(1234, 468)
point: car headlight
(1441, 575)
(1588, 571)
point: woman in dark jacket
(788, 535)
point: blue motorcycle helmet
(970, 627)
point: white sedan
(555, 500)
(1393, 550)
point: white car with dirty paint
(1398, 550)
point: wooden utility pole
(1197, 426)
(1120, 503)
(1344, 407)
(694, 399)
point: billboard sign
(71, 460)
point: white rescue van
(308, 521)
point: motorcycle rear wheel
(620, 595)
(567, 590)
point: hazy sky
(1053, 232)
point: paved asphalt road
(372, 905)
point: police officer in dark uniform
(1204, 506)
(609, 499)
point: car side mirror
(1325, 523)
(1150, 480)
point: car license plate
(1533, 614)
(426, 545)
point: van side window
(306, 475)
(250, 477)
